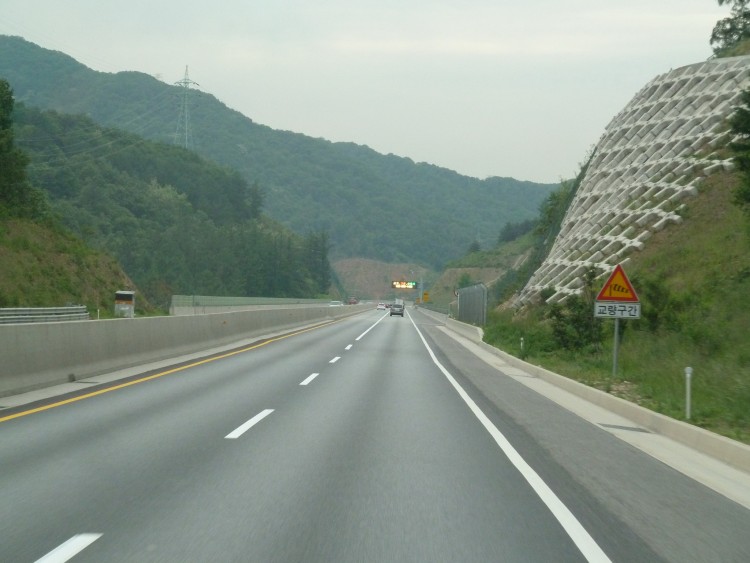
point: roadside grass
(650, 371)
(693, 280)
(43, 266)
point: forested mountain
(42, 264)
(372, 205)
(177, 223)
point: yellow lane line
(160, 374)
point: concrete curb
(718, 447)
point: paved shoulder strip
(585, 543)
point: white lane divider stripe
(348, 347)
(334, 360)
(234, 434)
(310, 378)
(69, 549)
(369, 329)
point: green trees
(545, 228)
(511, 231)
(729, 32)
(573, 323)
(552, 210)
(256, 197)
(178, 223)
(465, 281)
(316, 246)
(740, 126)
(17, 197)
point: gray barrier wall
(40, 355)
(472, 304)
(203, 304)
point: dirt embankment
(371, 280)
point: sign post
(617, 300)
(688, 406)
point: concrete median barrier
(45, 354)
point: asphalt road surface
(373, 438)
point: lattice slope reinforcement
(650, 158)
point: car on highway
(397, 309)
(380, 307)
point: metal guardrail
(19, 315)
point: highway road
(373, 438)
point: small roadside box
(125, 304)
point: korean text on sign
(617, 310)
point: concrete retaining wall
(40, 355)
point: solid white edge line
(334, 360)
(310, 378)
(585, 543)
(239, 431)
(69, 549)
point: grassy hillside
(692, 279)
(46, 267)
(486, 266)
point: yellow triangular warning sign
(617, 288)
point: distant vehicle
(380, 307)
(397, 309)
(353, 301)
(336, 304)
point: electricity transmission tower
(183, 136)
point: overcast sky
(484, 87)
